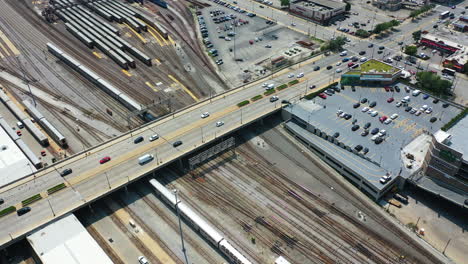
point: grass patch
(243, 103)
(455, 120)
(373, 65)
(56, 188)
(281, 87)
(316, 39)
(31, 199)
(257, 97)
(268, 92)
(293, 82)
(7, 210)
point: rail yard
(152, 131)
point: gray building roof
(458, 140)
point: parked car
(433, 119)
(358, 148)
(365, 109)
(336, 135)
(373, 104)
(398, 104)
(316, 68)
(435, 101)
(383, 118)
(274, 98)
(425, 96)
(356, 105)
(445, 105)
(363, 100)
(322, 95)
(388, 121)
(391, 99)
(375, 131)
(355, 127)
(365, 133)
(394, 116)
(378, 140)
(374, 113)
(407, 109)
(23, 211)
(367, 125)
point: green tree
(348, 6)
(432, 82)
(465, 68)
(362, 33)
(334, 44)
(417, 35)
(411, 50)
(284, 2)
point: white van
(406, 99)
(416, 92)
(344, 53)
(20, 125)
(270, 86)
(145, 159)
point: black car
(435, 101)
(355, 127)
(407, 109)
(312, 87)
(373, 104)
(445, 105)
(348, 116)
(367, 125)
(23, 211)
(331, 91)
(435, 26)
(365, 133)
(370, 45)
(138, 140)
(433, 119)
(363, 100)
(316, 68)
(356, 105)
(365, 150)
(378, 140)
(362, 52)
(379, 52)
(397, 88)
(358, 148)
(381, 48)
(329, 67)
(177, 143)
(284, 101)
(1, 201)
(354, 59)
(65, 172)
(336, 135)
(375, 131)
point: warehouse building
(320, 11)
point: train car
(166, 195)
(114, 41)
(36, 132)
(28, 153)
(232, 253)
(54, 50)
(139, 55)
(83, 31)
(130, 60)
(117, 59)
(132, 24)
(85, 40)
(101, 12)
(125, 43)
(205, 229)
(153, 24)
(281, 260)
(32, 111)
(8, 129)
(160, 3)
(108, 88)
(98, 23)
(142, 25)
(121, 8)
(115, 16)
(101, 46)
(130, 103)
(88, 74)
(53, 132)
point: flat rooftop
(318, 4)
(67, 241)
(13, 163)
(459, 139)
(441, 189)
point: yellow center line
(185, 88)
(136, 33)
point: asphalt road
(91, 180)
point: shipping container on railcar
(85, 40)
(165, 194)
(232, 253)
(139, 55)
(205, 229)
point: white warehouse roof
(67, 241)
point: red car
(43, 153)
(18, 132)
(387, 89)
(383, 118)
(322, 95)
(389, 100)
(104, 160)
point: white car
(219, 123)
(142, 260)
(374, 137)
(342, 115)
(394, 116)
(343, 53)
(227, 38)
(363, 59)
(429, 110)
(338, 64)
(374, 113)
(365, 109)
(264, 84)
(291, 75)
(382, 133)
(416, 92)
(153, 137)
(205, 115)
(338, 70)
(398, 104)
(339, 112)
(293, 24)
(300, 75)
(417, 113)
(388, 121)
(384, 179)
(424, 107)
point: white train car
(205, 229)
(164, 193)
(232, 253)
(281, 260)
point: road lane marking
(185, 88)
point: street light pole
(180, 227)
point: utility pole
(180, 227)
(443, 252)
(54, 213)
(108, 181)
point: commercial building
(66, 241)
(445, 165)
(391, 5)
(457, 60)
(461, 24)
(437, 43)
(321, 11)
(371, 73)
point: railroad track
(356, 201)
(102, 242)
(174, 226)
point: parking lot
(243, 41)
(401, 131)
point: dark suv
(138, 140)
(177, 143)
(23, 211)
(65, 172)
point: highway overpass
(91, 180)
